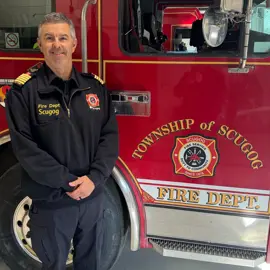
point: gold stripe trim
(104, 71)
(20, 81)
(169, 62)
(145, 62)
(41, 59)
(4, 131)
(21, 58)
(25, 76)
(135, 180)
(212, 208)
(182, 62)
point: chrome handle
(84, 33)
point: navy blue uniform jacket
(61, 130)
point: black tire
(13, 254)
(7, 157)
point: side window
(260, 30)
(19, 22)
(151, 28)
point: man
(179, 44)
(64, 134)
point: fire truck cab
(188, 81)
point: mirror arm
(243, 61)
(247, 34)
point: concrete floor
(150, 260)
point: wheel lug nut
(19, 223)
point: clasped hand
(83, 188)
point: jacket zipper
(68, 110)
(68, 105)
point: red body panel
(198, 95)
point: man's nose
(56, 43)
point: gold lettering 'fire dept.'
(49, 109)
(223, 199)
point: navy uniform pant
(52, 231)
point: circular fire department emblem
(195, 156)
(3, 91)
(92, 100)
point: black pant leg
(88, 237)
(51, 232)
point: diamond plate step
(208, 253)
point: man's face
(57, 45)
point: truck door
(194, 135)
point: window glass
(260, 30)
(151, 28)
(19, 22)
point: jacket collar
(48, 81)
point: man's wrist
(94, 176)
(88, 177)
(66, 185)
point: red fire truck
(192, 177)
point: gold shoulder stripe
(99, 79)
(22, 79)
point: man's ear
(39, 44)
(75, 43)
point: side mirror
(214, 26)
(215, 21)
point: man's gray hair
(57, 18)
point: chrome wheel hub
(21, 230)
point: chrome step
(208, 253)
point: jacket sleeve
(39, 165)
(107, 151)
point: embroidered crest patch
(93, 101)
